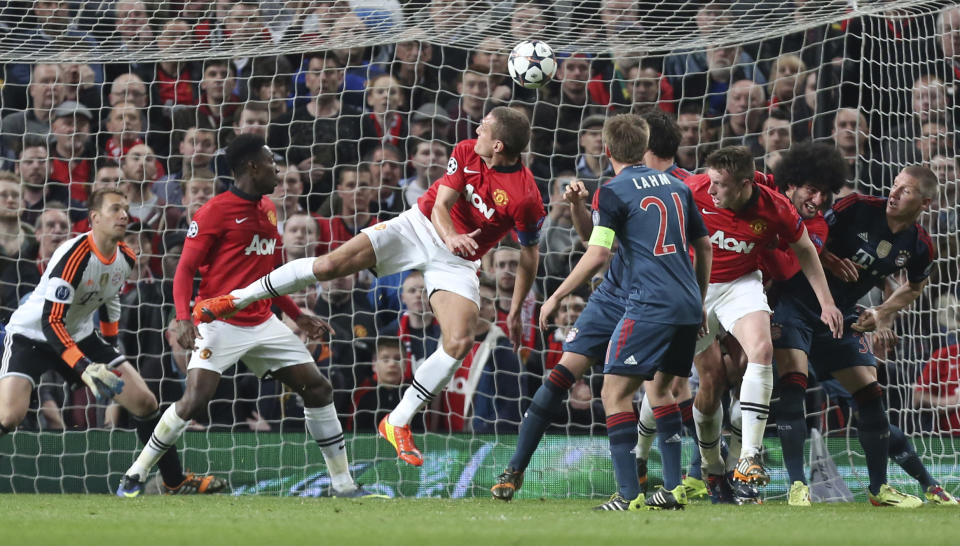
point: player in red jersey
(742, 217)
(232, 241)
(486, 193)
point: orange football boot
(211, 309)
(402, 440)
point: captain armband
(602, 236)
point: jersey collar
(244, 195)
(508, 168)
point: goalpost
(877, 78)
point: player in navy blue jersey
(870, 238)
(587, 341)
(656, 221)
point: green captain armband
(602, 236)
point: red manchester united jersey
(493, 200)
(780, 263)
(738, 237)
(232, 241)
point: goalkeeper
(53, 330)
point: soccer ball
(532, 64)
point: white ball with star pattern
(532, 64)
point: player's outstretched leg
(546, 404)
(673, 494)
(201, 385)
(457, 316)
(357, 254)
(902, 452)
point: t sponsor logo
(478, 203)
(729, 243)
(260, 247)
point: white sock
(165, 435)
(708, 435)
(736, 435)
(755, 405)
(288, 278)
(324, 427)
(430, 378)
(647, 427)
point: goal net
(362, 101)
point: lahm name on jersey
(653, 181)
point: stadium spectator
(171, 81)
(851, 136)
(416, 327)
(505, 261)
(353, 215)
(557, 116)
(124, 130)
(142, 316)
(697, 138)
(270, 83)
(18, 279)
(938, 387)
(560, 246)
(13, 237)
(132, 33)
(948, 32)
(286, 196)
(323, 133)
(351, 341)
(38, 191)
(592, 164)
(473, 90)
(386, 170)
(429, 121)
(217, 102)
(45, 94)
(299, 237)
(490, 57)
(429, 161)
(81, 83)
(709, 78)
(383, 121)
(372, 402)
(411, 67)
(196, 152)
(197, 190)
(648, 88)
(928, 104)
(72, 155)
(786, 88)
(743, 115)
(775, 137)
(140, 172)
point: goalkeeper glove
(104, 382)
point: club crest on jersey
(478, 203)
(902, 258)
(572, 335)
(272, 217)
(758, 226)
(500, 198)
(452, 165)
(883, 249)
(723, 242)
(205, 354)
(360, 330)
(260, 247)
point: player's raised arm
(575, 193)
(461, 244)
(810, 263)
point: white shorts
(728, 302)
(263, 348)
(410, 241)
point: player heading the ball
(485, 193)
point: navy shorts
(797, 326)
(644, 348)
(591, 333)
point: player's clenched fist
(463, 244)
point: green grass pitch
(231, 521)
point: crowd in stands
(361, 132)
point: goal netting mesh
(362, 101)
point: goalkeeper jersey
(78, 282)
